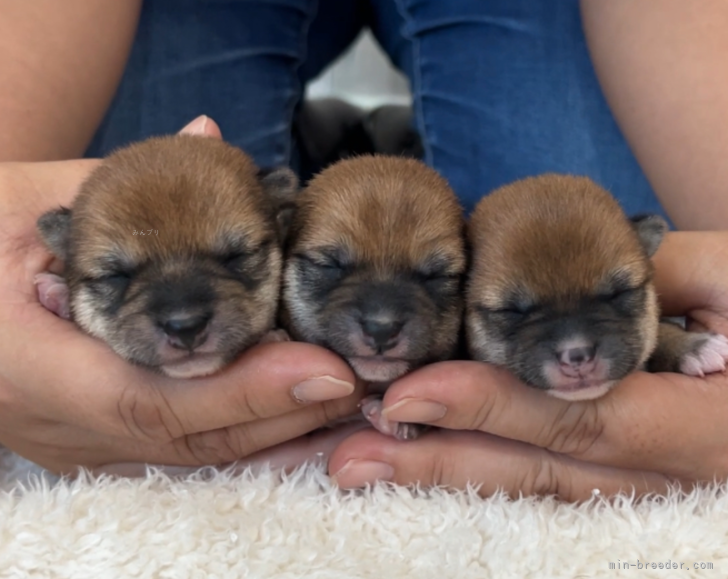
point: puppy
(561, 292)
(172, 253)
(375, 262)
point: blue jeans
(503, 89)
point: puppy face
(375, 263)
(560, 290)
(171, 252)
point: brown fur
(215, 195)
(556, 243)
(210, 245)
(388, 212)
(556, 235)
(377, 238)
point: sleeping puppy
(171, 253)
(375, 261)
(560, 291)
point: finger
(287, 455)
(317, 446)
(204, 126)
(459, 459)
(116, 398)
(707, 321)
(476, 396)
(255, 440)
(632, 426)
(285, 442)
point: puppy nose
(578, 356)
(186, 332)
(382, 333)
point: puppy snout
(577, 361)
(577, 357)
(381, 333)
(186, 332)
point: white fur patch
(87, 317)
(588, 393)
(485, 349)
(303, 314)
(709, 358)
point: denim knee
(242, 63)
(505, 89)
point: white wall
(362, 76)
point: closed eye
(116, 273)
(616, 294)
(234, 258)
(437, 277)
(512, 310)
(324, 261)
(115, 281)
(118, 276)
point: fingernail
(358, 473)
(322, 388)
(414, 410)
(197, 126)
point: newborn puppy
(172, 253)
(374, 269)
(561, 292)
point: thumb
(203, 126)
(459, 458)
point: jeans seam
(298, 85)
(416, 80)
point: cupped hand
(67, 400)
(648, 433)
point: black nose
(578, 356)
(186, 332)
(382, 333)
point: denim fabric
(241, 62)
(503, 88)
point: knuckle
(219, 446)
(543, 479)
(575, 430)
(481, 415)
(442, 469)
(147, 416)
(248, 405)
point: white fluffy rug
(218, 525)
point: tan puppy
(561, 293)
(374, 269)
(172, 254)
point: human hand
(651, 431)
(66, 399)
(691, 275)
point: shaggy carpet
(219, 525)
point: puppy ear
(54, 228)
(281, 186)
(651, 230)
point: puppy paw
(371, 408)
(53, 294)
(275, 336)
(709, 355)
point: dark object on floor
(390, 129)
(327, 130)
